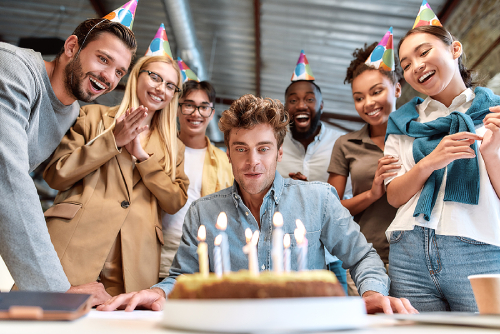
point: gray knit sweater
(32, 123)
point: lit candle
(251, 249)
(224, 245)
(202, 251)
(217, 256)
(300, 236)
(277, 250)
(286, 257)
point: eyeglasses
(158, 80)
(189, 109)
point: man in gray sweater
(37, 106)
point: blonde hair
(165, 122)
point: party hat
(302, 70)
(187, 73)
(426, 17)
(125, 14)
(382, 57)
(159, 45)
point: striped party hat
(187, 73)
(125, 14)
(159, 45)
(382, 57)
(302, 70)
(426, 16)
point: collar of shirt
(431, 109)
(274, 192)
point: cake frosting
(242, 284)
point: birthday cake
(241, 284)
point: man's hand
(99, 294)
(376, 302)
(151, 299)
(298, 176)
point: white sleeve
(393, 148)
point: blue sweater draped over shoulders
(462, 181)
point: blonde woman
(115, 169)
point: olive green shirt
(357, 155)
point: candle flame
(300, 226)
(248, 235)
(277, 219)
(299, 236)
(218, 240)
(202, 233)
(286, 240)
(222, 221)
(255, 237)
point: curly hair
(358, 66)
(249, 111)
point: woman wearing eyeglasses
(115, 170)
(206, 166)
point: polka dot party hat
(159, 45)
(302, 70)
(426, 16)
(125, 14)
(382, 57)
(187, 73)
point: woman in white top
(448, 187)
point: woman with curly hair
(360, 154)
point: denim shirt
(316, 204)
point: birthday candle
(277, 250)
(300, 237)
(251, 249)
(222, 225)
(217, 256)
(202, 251)
(286, 257)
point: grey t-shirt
(32, 124)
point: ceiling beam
(256, 11)
(98, 8)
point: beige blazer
(102, 191)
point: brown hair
(358, 66)
(204, 86)
(468, 76)
(249, 111)
(89, 30)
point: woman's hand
(385, 169)
(135, 149)
(490, 146)
(128, 126)
(451, 148)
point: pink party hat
(125, 14)
(382, 57)
(426, 17)
(302, 70)
(159, 45)
(187, 73)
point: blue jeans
(336, 268)
(431, 270)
